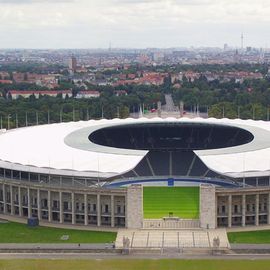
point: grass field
(129, 264)
(183, 202)
(253, 237)
(20, 233)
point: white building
(88, 94)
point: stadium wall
(96, 207)
(135, 207)
(123, 207)
(207, 207)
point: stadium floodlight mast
(73, 114)
(48, 116)
(102, 112)
(26, 119)
(140, 112)
(17, 123)
(8, 122)
(61, 115)
(87, 114)
(37, 120)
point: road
(99, 256)
(169, 106)
(66, 246)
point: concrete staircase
(177, 240)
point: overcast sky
(133, 23)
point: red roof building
(27, 93)
(5, 81)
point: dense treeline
(23, 112)
(250, 99)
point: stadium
(138, 173)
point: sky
(133, 23)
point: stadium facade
(93, 173)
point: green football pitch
(182, 202)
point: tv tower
(110, 46)
(242, 42)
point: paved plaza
(172, 238)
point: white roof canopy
(44, 147)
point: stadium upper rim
(65, 149)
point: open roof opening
(171, 136)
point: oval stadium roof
(60, 148)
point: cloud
(19, 2)
(93, 23)
(178, 2)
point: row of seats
(165, 163)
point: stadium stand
(170, 163)
(142, 169)
(159, 162)
(181, 162)
(198, 168)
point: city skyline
(133, 23)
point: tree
(124, 112)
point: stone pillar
(98, 210)
(230, 211)
(11, 200)
(244, 210)
(38, 204)
(49, 207)
(5, 198)
(257, 210)
(73, 207)
(134, 204)
(20, 201)
(85, 210)
(112, 210)
(29, 203)
(208, 217)
(61, 207)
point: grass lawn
(252, 237)
(12, 232)
(129, 264)
(183, 202)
